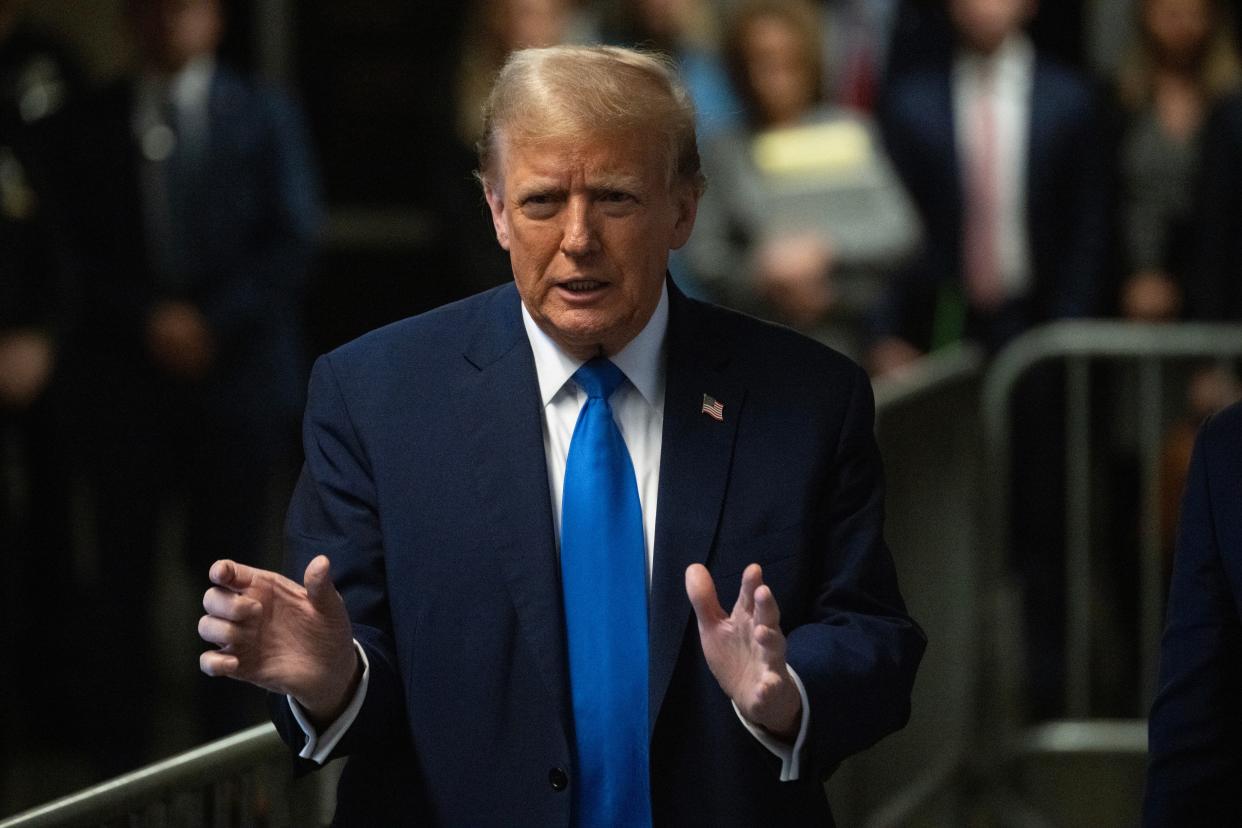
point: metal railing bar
(1069, 340)
(1151, 598)
(1098, 338)
(194, 769)
(931, 373)
(1078, 535)
(1093, 736)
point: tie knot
(599, 378)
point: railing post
(1078, 535)
(1151, 571)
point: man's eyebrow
(619, 181)
(536, 186)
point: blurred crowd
(888, 176)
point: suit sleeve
(1195, 729)
(857, 660)
(334, 513)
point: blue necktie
(604, 578)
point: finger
(768, 633)
(216, 663)
(702, 593)
(230, 606)
(766, 610)
(771, 648)
(752, 578)
(220, 632)
(319, 587)
(232, 575)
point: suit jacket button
(558, 778)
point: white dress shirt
(186, 92)
(638, 409)
(1011, 71)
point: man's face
(588, 223)
(984, 24)
(171, 33)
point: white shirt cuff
(319, 745)
(790, 756)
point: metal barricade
(239, 781)
(929, 435)
(1148, 355)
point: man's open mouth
(583, 285)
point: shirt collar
(187, 88)
(641, 360)
(1011, 60)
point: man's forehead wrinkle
(571, 167)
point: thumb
(318, 582)
(702, 593)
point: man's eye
(539, 206)
(616, 197)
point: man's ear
(686, 200)
(496, 203)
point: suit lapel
(1045, 115)
(694, 468)
(507, 460)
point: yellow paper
(823, 150)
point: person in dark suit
(199, 217)
(442, 488)
(1001, 150)
(1195, 728)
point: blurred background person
(1002, 150)
(37, 80)
(688, 32)
(198, 223)
(1182, 62)
(804, 218)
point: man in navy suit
(1001, 150)
(1195, 730)
(436, 452)
(199, 216)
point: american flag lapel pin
(713, 408)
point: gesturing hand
(745, 650)
(281, 636)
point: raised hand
(745, 650)
(282, 636)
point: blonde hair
(562, 91)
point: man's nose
(580, 237)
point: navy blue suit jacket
(1194, 775)
(251, 233)
(1066, 201)
(426, 483)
